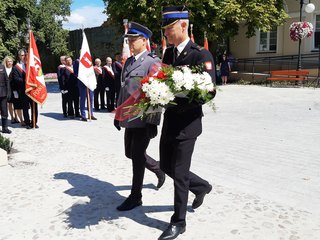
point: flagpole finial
(28, 24)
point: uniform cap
(136, 29)
(172, 14)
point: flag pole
(191, 32)
(89, 105)
(33, 103)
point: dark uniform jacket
(60, 72)
(18, 80)
(117, 69)
(4, 82)
(108, 78)
(69, 80)
(183, 121)
(98, 72)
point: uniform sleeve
(209, 64)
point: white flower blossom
(177, 77)
(158, 92)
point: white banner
(86, 71)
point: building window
(317, 32)
(267, 41)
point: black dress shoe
(93, 118)
(83, 119)
(129, 204)
(197, 202)
(172, 232)
(6, 130)
(161, 178)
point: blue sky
(87, 13)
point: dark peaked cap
(172, 14)
(136, 29)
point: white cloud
(87, 16)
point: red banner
(35, 85)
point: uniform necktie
(175, 54)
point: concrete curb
(3, 158)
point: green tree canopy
(219, 18)
(46, 22)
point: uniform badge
(208, 65)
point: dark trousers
(175, 160)
(110, 99)
(136, 142)
(34, 112)
(64, 103)
(73, 102)
(4, 107)
(99, 93)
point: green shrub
(5, 144)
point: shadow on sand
(103, 200)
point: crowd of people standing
(13, 99)
(75, 94)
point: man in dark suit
(4, 95)
(109, 81)
(182, 122)
(60, 70)
(70, 83)
(100, 89)
(138, 132)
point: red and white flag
(86, 72)
(206, 44)
(148, 45)
(35, 85)
(125, 48)
(164, 45)
(191, 33)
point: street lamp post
(309, 9)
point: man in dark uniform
(70, 82)
(182, 122)
(60, 70)
(4, 95)
(138, 132)
(100, 89)
(109, 81)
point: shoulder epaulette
(197, 47)
(152, 55)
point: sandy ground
(260, 151)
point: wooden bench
(288, 75)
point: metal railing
(264, 65)
(267, 64)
